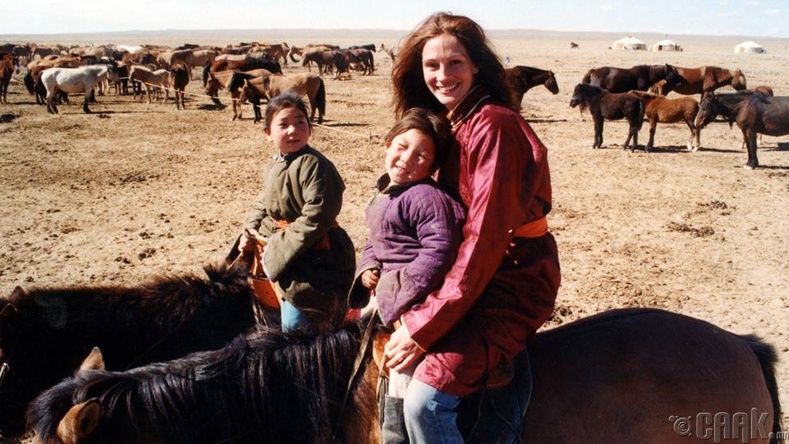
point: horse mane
(266, 385)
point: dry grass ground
(135, 190)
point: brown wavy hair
(410, 90)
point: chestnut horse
(703, 80)
(664, 110)
(268, 87)
(753, 112)
(7, 69)
(620, 80)
(46, 332)
(612, 106)
(626, 375)
(524, 78)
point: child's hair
(283, 101)
(429, 124)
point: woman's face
(447, 68)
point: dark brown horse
(524, 78)
(619, 80)
(754, 114)
(179, 78)
(703, 80)
(618, 376)
(45, 333)
(612, 106)
(664, 110)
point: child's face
(410, 156)
(290, 130)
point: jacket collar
(467, 106)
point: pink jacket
(500, 289)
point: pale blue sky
(673, 17)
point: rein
(363, 347)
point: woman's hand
(370, 278)
(401, 352)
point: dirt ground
(135, 190)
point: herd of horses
(611, 93)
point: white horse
(75, 80)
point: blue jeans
(430, 415)
(293, 318)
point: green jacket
(305, 190)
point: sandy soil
(136, 190)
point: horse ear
(18, 294)
(7, 312)
(94, 361)
(80, 421)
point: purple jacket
(415, 231)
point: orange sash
(535, 228)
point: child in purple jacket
(415, 231)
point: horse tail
(206, 69)
(641, 111)
(29, 83)
(767, 359)
(320, 98)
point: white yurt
(630, 43)
(666, 45)
(749, 46)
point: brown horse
(524, 78)
(46, 332)
(179, 78)
(302, 84)
(7, 68)
(702, 80)
(664, 110)
(612, 106)
(618, 376)
(620, 80)
(221, 79)
(244, 64)
(754, 114)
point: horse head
(551, 83)
(583, 94)
(709, 108)
(738, 80)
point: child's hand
(370, 278)
(248, 239)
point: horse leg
(85, 108)
(652, 128)
(51, 108)
(750, 137)
(598, 132)
(695, 141)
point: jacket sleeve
(359, 295)
(438, 223)
(320, 195)
(498, 184)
